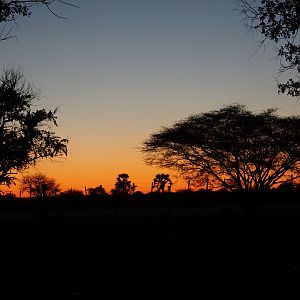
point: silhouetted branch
(278, 22)
(11, 10)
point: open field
(174, 249)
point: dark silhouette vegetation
(26, 132)
(39, 185)
(72, 194)
(97, 191)
(277, 21)
(123, 185)
(242, 238)
(231, 148)
(239, 241)
(175, 245)
(160, 182)
(11, 11)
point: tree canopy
(232, 147)
(26, 133)
(39, 185)
(123, 185)
(277, 21)
(97, 191)
(160, 181)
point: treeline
(155, 199)
(41, 186)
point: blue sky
(119, 70)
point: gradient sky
(119, 70)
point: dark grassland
(172, 246)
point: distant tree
(10, 195)
(7, 194)
(123, 185)
(233, 148)
(160, 181)
(277, 21)
(10, 11)
(97, 191)
(72, 193)
(39, 185)
(25, 132)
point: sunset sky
(119, 70)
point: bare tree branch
(10, 11)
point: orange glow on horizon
(81, 175)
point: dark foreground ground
(163, 250)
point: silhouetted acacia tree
(25, 133)
(10, 11)
(160, 181)
(233, 147)
(123, 185)
(39, 185)
(279, 22)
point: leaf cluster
(10, 9)
(279, 22)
